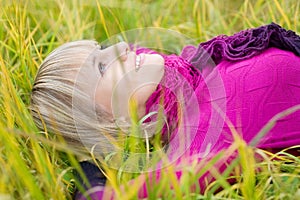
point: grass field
(33, 166)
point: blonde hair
(59, 106)
(52, 98)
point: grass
(34, 166)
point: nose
(123, 46)
(121, 50)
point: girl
(228, 84)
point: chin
(154, 59)
(160, 59)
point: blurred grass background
(32, 167)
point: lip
(142, 55)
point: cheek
(103, 97)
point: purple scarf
(242, 45)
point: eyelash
(103, 47)
(102, 68)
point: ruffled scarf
(242, 45)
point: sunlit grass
(33, 165)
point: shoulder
(271, 58)
(278, 54)
(266, 71)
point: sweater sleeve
(96, 182)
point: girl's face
(124, 78)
